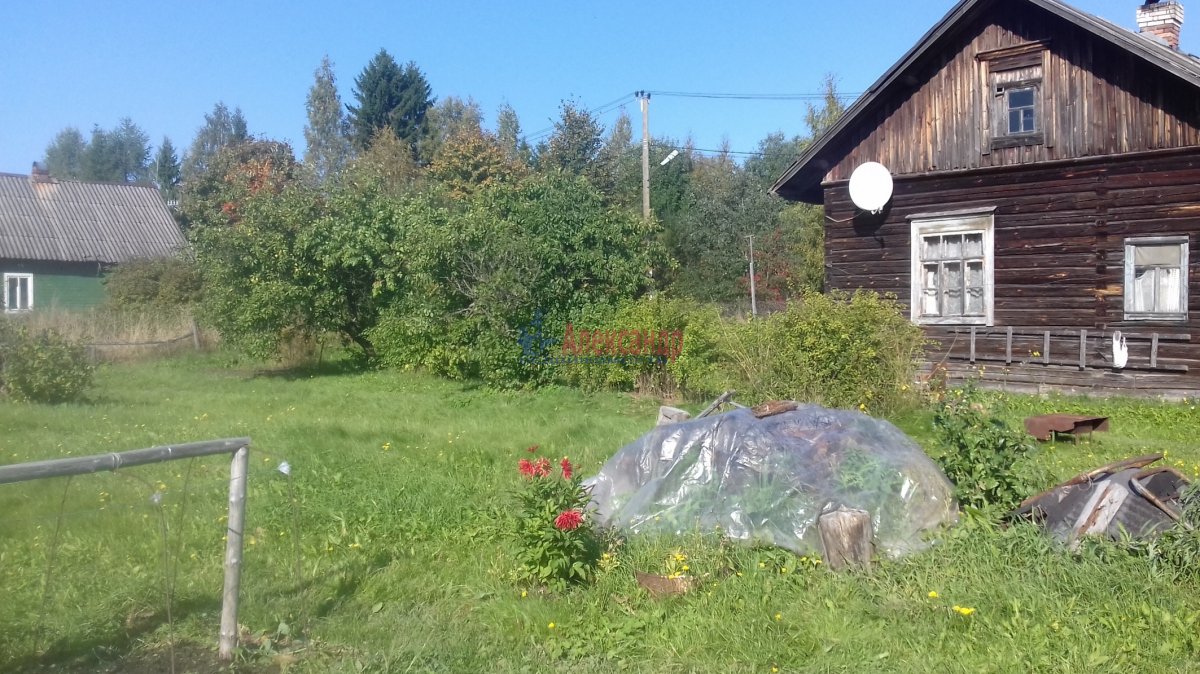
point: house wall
(1059, 263)
(60, 285)
(1097, 100)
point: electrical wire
(752, 97)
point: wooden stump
(847, 538)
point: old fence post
(233, 553)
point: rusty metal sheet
(1043, 427)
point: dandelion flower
(524, 593)
(963, 610)
(550, 626)
(778, 617)
(933, 594)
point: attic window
(1015, 106)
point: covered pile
(768, 480)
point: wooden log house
(1046, 195)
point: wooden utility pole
(644, 99)
(753, 295)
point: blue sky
(165, 64)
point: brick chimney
(39, 175)
(1162, 19)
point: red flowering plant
(557, 540)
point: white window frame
(7, 304)
(953, 222)
(1184, 261)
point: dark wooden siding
(1059, 251)
(1097, 100)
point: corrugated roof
(802, 179)
(70, 221)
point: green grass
(403, 484)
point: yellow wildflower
(963, 610)
(778, 617)
(933, 594)
(524, 593)
(550, 626)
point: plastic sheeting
(766, 481)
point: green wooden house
(59, 238)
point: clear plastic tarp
(766, 481)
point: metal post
(233, 553)
(644, 99)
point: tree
(221, 129)
(327, 150)
(575, 143)
(121, 154)
(452, 116)
(618, 172)
(472, 159)
(217, 197)
(167, 170)
(820, 119)
(508, 132)
(392, 97)
(387, 164)
(64, 155)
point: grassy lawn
(403, 487)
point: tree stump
(846, 538)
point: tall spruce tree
(167, 170)
(327, 148)
(390, 96)
(64, 155)
(222, 128)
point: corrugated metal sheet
(73, 221)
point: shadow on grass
(103, 650)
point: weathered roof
(70, 221)
(802, 179)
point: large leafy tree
(64, 155)
(472, 159)
(450, 117)
(222, 128)
(327, 148)
(389, 96)
(218, 196)
(574, 146)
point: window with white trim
(952, 269)
(1156, 278)
(18, 292)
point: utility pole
(753, 298)
(644, 99)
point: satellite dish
(871, 186)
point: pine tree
(167, 170)
(390, 96)
(328, 150)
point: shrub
(153, 284)
(557, 540)
(988, 462)
(45, 367)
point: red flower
(566, 469)
(568, 520)
(541, 467)
(526, 467)
(532, 448)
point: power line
(753, 97)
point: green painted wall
(60, 285)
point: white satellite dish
(871, 186)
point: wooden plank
(1082, 349)
(972, 343)
(1046, 348)
(846, 538)
(1154, 350)
(1008, 346)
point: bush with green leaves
(44, 367)
(989, 462)
(153, 284)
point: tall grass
(124, 335)
(403, 488)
